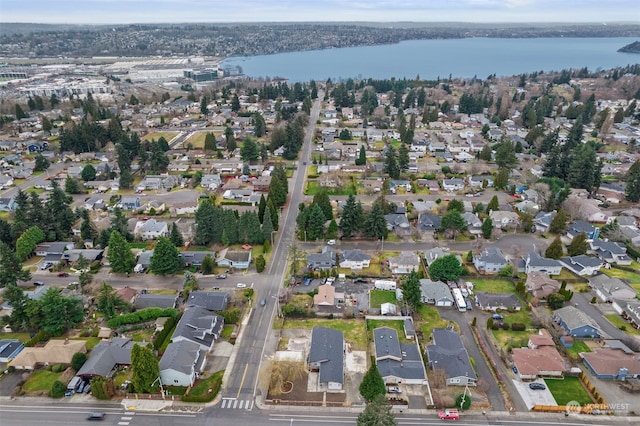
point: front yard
(493, 286)
(354, 330)
(632, 278)
(568, 389)
(429, 319)
(620, 322)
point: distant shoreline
(631, 48)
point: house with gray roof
(323, 260)
(195, 258)
(209, 300)
(576, 323)
(454, 184)
(354, 259)
(474, 224)
(428, 222)
(9, 349)
(211, 181)
(542, 221)
(144, 260)
(446, 352)
(404, 263)
(535, 263)
(435, 253)
(398, 362)
(150, 229)
(106, 356)
(326, 355)
(238, 259)
(181, 363)
(494, 301)
(149, 300)
(7, 204)
(436, 293)
(398, 223)
(200, 326)
(607, 288)
(610, 251)
(629, 310)
(582, 264)
(578, 227)
(129, 203)
(490, 261)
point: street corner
(141, 404)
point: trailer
(384, 285)
(461, 303)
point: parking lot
(533, 397)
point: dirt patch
(300, 396)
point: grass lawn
(578, 346)
(23, 337)
(354, 330)
(619, 322)
(398, 325)
(206, 389)
(226, 332)
(429, 319)
(493, 286)
(378, 297)
(41, 380)
(515, 339)
(142, 335)
(163, 291)
(157, 135)
(313, 188)
(568, 389)
(631, 277)
(91, 342)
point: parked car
(221, 276)
(63, 274)
(45, 265)
(96, 416)
(514, 369)
(331, 242)
(38, 283)
(241, 285)
(216, 288)
(393, 389)
(497, 317)
(537, 386)
(360, 280)
(449, 415)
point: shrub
(231, 316)
(143, 315)
(102, 388)
(11, 369)
(164, 333)
(495, 326)
(463, 401)
(78, 360)
(505, 326)
(39, 337)
(518, 326)
(58, 368)
(58, 389)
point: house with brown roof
(540, 285)
(127, 294)
(610, 363)
(54, 352)
(543, 338)
(543, 361)
(327, 296)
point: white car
(241, 285)
(331, 242)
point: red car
(449, 415)
(63, 274)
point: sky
(172, 11)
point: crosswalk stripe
(235, 403)
(126, 418)
(123, 423)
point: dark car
(360, 280)
(95, 416)
(537, 386)
(514, 369)
(38, 283)
(63, 274)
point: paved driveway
(534, 397)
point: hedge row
(164, 333)
(39, 337)
(142, 315)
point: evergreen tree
(165, 259)
(72, 186)
(502, 178)
(210, 142)
(249, 150)
(259, 125)
(505, 156)
(262, 206)
(403, 158)
(455, 205)
(446, 268)
(350, 220)
(235, 103)
(493, 205)
(321, 199)
(555, 249)
(584, 168)
(41, 164)
(372, 385)
(315, 226)
(59, 213)
(146, 369)
(578, 245)
(20, 114)
(362, 156)
(120, 257)
(206, 223)
(391, 166)
(11, 268)
(452, 223)
(120, 223)
(375, 224)
(411, 292)
(486, 153)
(377, 413)
(88, 173)
(87, 229)
(632, 191)
(60, 313)
(273, 213)
(204, 102)
(559, 222)
(176, 236)
(230, 139)
(109, 303)
(487, 228)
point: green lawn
(578, 346)
(41, 380)
(91, 342)
(313, 188)
(378, 297)
(226, 332)
(429, 319)
(631, 277)
(354, 330)
(568, 389)
(619, 322)
(157, 135)
(23, 337)
(206, 389)
(398, 325)
(493, 286)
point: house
(127, 294)
(324, 260)
(404, 263)
(479, 181)
(398, 223)
(607, 289)
(6, 181)
(200, 326)
(610, 252)
(327, 296)
(612, 192)
(238, 259)
(454, 184)
(397, 362)
(474, 224)
(384, 285)
(610, 363)
(495, 301)
(582, 264)
(262, 183)
(195, 258)
(181, 363)
(150, 229)
(543, 361)
(431, 255)
(7, 204)
(542, 220)
(578, 227)
(209, 300)
(527, 206)
(149, 300)
(144, 260)
(535, 263)
(490, 261)
(632, 234)
(540, 285)
(52, 249)
(9, 349)
(129, 203)
(326, 355)
(447, 353)
(428, 222)
(629, 310)
(503, 219)
(53, 352)
(436, 293)
(73, 255)
(354, 259)
(210, 182)
(186, 208)
(576, 323)
(106, 356)
(94, 203)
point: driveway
(534, 397)
(8, 382)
